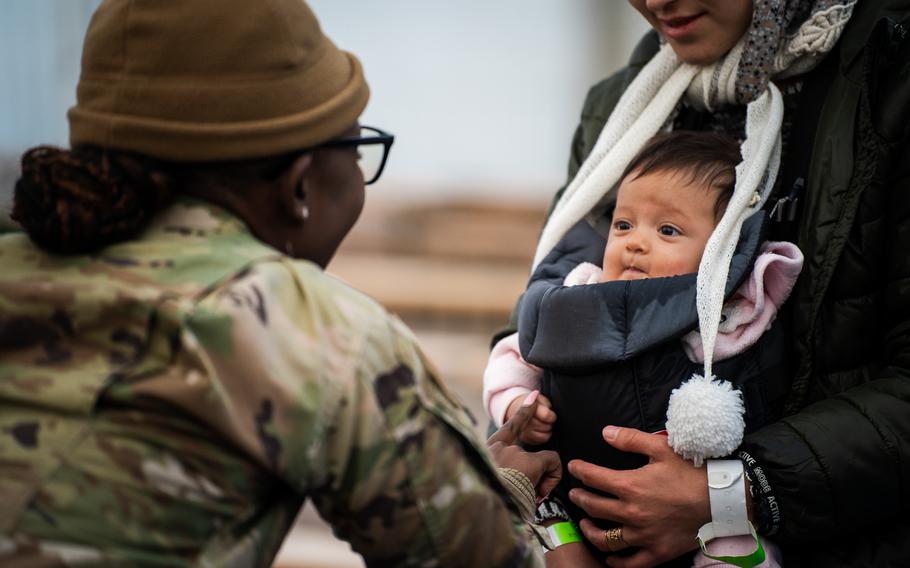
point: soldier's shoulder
(287, 295)
(329, 294)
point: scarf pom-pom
(705, 419)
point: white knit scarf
(647, 105)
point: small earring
(304, 212)
(289, 248)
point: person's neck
(251, 204)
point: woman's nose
(657, 5)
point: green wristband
(747, 561)
(563, 533)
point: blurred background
(483, 99)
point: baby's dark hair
(709, 157)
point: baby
(602, 354)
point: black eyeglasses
(372, 150)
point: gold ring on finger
(613, 539)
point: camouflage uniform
(171, 401)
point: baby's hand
(540, 427)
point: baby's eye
(669, 231)
(622, 225)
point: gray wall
(483, 97)
(40, 43)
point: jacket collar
(865, 16)
(595, 324)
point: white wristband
(729, 516)
(727, 492)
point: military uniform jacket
(172, 400)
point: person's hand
(542, 468)
(540, 427)
(660, 506)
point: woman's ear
(293, 193)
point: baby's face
(660, 226)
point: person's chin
(696, 52)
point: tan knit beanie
(211, 80)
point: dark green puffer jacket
(839, 462)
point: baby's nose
(635, 243)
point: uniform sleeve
(408, 480)
(332, 395)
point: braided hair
(77, 201)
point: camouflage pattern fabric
(173, 400)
